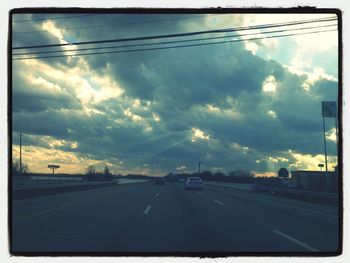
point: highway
(144, 217)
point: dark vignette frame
(218, 10)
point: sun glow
(199, 134)
(269, 84)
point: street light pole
(325, 155)
(336, 133)
(20, 153)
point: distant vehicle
(194, 183)
(159, 181)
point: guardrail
(31, 187)
(231, 185)
(326, 198)
(28, 182)
(296, 192)
(132, 181)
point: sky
(250, 105)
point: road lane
(23, 207)
(281, 201)
(152, 218)
(319, 229)
(91, 224)
(183, 221)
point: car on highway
(159, 181)
(194, 183)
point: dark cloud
(40, 102)
(47, 122)
(177, 86)
(33, 98)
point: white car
(194, 183)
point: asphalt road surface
(166, 218)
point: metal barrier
(39, 181)
(296, 192)
(230, 185)
(24, 187)
(287, 192)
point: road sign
(283, 172)
(53, 166)
(329, 109)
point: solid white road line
(274, 230)
(145, 212)
(218, 202)
(260, 221)
(298, 242)
(305, 209)
(280, 203)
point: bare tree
(18, 169)
(106, 171)
(90, 171)
(241, 173)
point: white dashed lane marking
(145, 212)
(218, 202)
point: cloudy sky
(252, 104)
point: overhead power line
(172, 42)
(117, 24)
(54, 18)
(178, 46)
(225, 30)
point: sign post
(20, 153)
(329, 109)
(321, 166)
(53, 167)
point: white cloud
(331, 135)
(50, 26)
(269, 85)
(106, 88)
(239, 148)
(43, 85)
(213, 108)
(132, 116)
(228, 101)
(310, 162)
(199, 134)
(272, 114)
(155, 117)
(80, 81)
(251, 46)
(307, 47)
(181, 168)
(38, 159)
(136, 103)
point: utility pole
(325, 157)
(325, 145)
(20, 153)
(329, 109)
(199, 168)
(336, 132)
